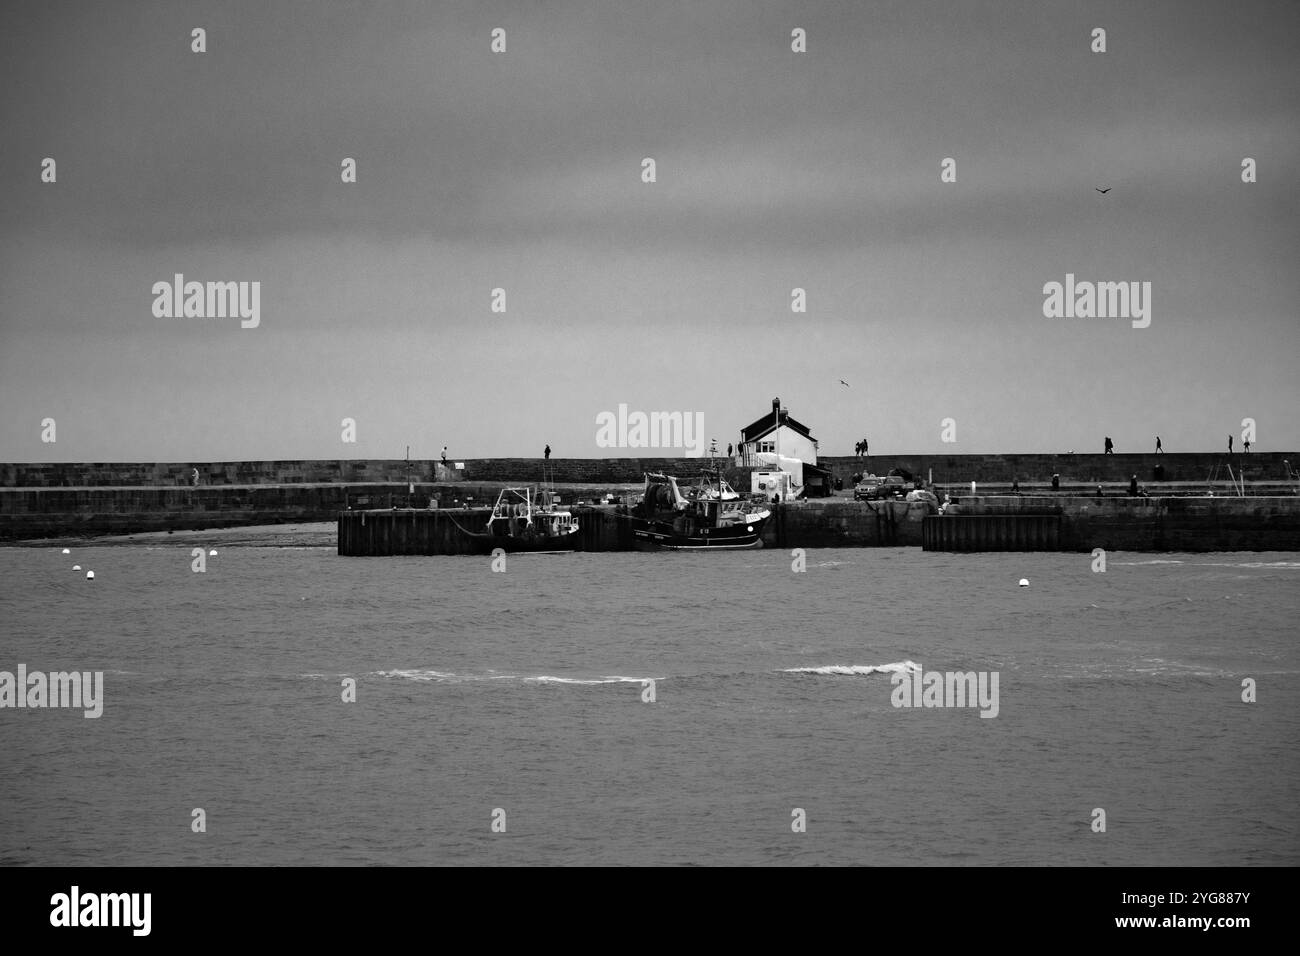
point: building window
(767, 446)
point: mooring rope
(458, 524)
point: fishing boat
(525, 520)
(707, 516)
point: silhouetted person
(444, 454)
(1110, 446)
(1133, 487)
(728, 449)
(1015, 486)
(1099, 491)
(1159, 449)
(547, 452)
(1229, 444)
(1247, 444)
(1056, 482)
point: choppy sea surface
(518, 697)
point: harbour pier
(1201, 502)
(975, 523)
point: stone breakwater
(1084, 469)
(51, 500)
(1253, 523)
(28, 513)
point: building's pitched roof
(767, 423)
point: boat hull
(661, 536)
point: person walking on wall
(1159, 449)
(1110, 446)
(444, 454)
(547, 453)
(1229, 444)
(1133, 487)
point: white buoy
(212, 553)
(66, 551)
(90, 575)
(76, 567)
(1024, 582)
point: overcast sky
(522, 170)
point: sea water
(508, 717)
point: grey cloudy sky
(522, 170)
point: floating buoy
(90, 575)
(66, 551)
(1024, 582)
(212, 553)
(76, 567)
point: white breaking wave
(416, 674)
(858, 670)
(434, 675)
(546, 679)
